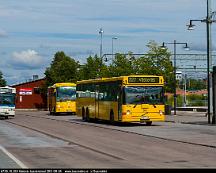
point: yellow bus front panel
(142, 113)
(68, 106)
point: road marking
(22, 165)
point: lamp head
(163, 46)
(190, 26)
(101, 31)
(186, 47)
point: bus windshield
(7, 99)
(66, 93)
(143, 95)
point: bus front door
(97, 102)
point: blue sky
(32, 31)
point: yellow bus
(62, 98)
(134, 98)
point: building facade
(29, 95)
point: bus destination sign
(143, 79)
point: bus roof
(123, 78)
(7, 89)
(62, 84)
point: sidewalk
(188, 117)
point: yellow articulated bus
(135, 98)
(62, 98)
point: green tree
(121, 65)
(2, 80)
(157, 62)
(93, 68)
(62, 69)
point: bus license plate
(143, 118)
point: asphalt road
(38, 140)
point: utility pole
(209, 20)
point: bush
(192, 100)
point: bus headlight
(160, 112)
(58, 106)
(128, 112)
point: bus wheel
(6, 117)
(149, 123)
(87, 115)
(50, 110)
(83, 114)
(54, 111)
(112, 117)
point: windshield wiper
(142, 100)
(154, 105)
(136, 103)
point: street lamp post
(209, 20)
(113, 38)
(101, 44)
(174, 60)
(185, 90)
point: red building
(29, 95)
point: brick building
(29, 95)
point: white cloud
(3, 33)
(134, 22)
(27, 59)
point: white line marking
(13, 157)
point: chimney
(35, 77)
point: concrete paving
(164, 144)
(186, 126)
(188, 117)
(6, 162)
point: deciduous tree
(157, 62)
(2, 80)
(62, 69)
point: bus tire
(50, 110)
(87, 115)
(83, 114)
(6, 117)
(149, 123)
(55, 113)
(112, 117)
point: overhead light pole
(113, 38)
(185, 90)
(209, 20)
(101, 44)
(101, 49)
(174, 60)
